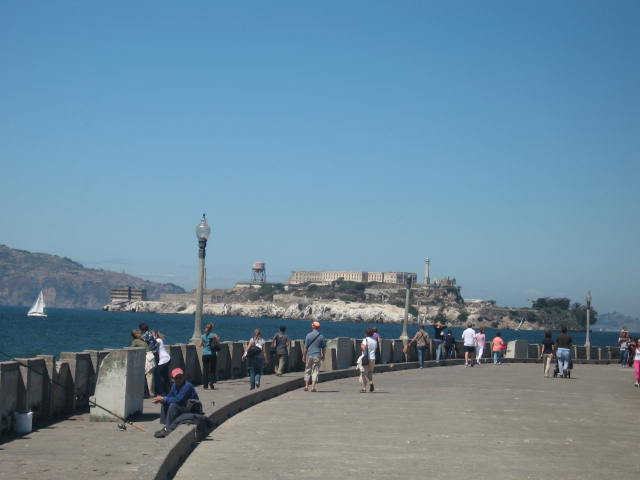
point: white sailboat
(37, 309)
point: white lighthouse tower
(427, 279)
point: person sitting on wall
(177, 402)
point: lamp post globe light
(203, 230)
(587, 342)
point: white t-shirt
(637, 355)
(162, 352)
(469, 337)
(259, 343)
(372, 345)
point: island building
(127, 294)
(327, 276)
(209, 295)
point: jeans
(497, 357)
(624, 357)
(451, 351)
(209, 364)
(438, 349)
(564, 356)
(168, 413)
(256, 369)
(421, 349)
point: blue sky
(500, 139)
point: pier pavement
(498, 422)
(76, 448)
(501, 422)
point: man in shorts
(312, 355)
(469, 339)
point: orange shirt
(497, 344)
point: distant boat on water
(38, 307)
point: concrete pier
(506, 420)
(120, 385)
(494, 422)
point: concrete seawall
(54, 389)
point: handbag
(365, 354)
(253, 351)
(214, 344)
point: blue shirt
(206, 339)
(314, 342)
(181, 394)
(151, 341)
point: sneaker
(161, 433)
(637, 385)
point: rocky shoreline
(334, 310)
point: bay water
(74, 330)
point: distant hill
(615, 321)
(65, 283)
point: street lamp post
(405, 323)
(202, 232)
(587, 342)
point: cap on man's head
(315, 324)
(176, 371)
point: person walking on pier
(256, 356)
(280, 346)
(449, 345)
(498, 347)
(368, 346)
(175, 403)
(376, 336)
(208, 343)
(481, 339)
(563, 345)
(636, 362)
(421, 339)
(438, 338)
(623, 342)
(548, 352)
(312, 355)
(469, 339)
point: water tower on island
(258, 272)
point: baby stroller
(556, 370)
